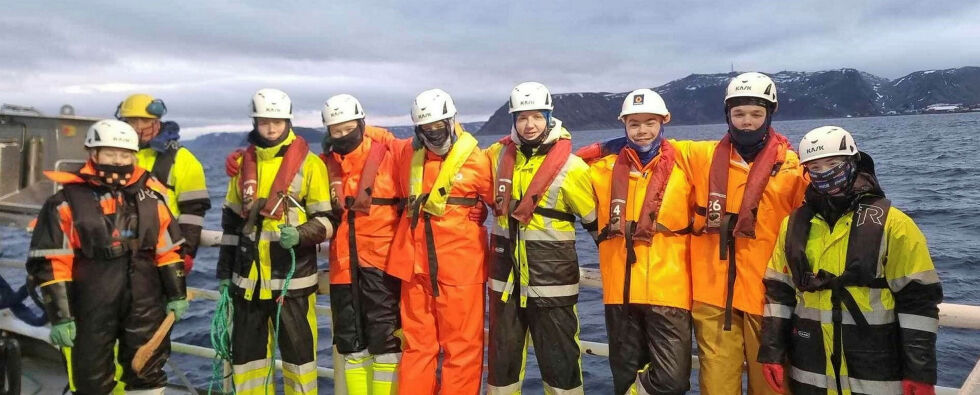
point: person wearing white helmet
(277, 210)
(439, 251)
(364, 298)
(174, 165)
(845, 248)
(744, 185)
(540, 190)
(643, 201)
(105, 254)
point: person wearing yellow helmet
(173, 165)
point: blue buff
(169, 132)
(648, 152)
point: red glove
(478, 213)
(910, 387)
(773, 372)
(188, 264)
(231, 162)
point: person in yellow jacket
(643, 200)
(851, 292)
(173, 165)
(540, 188)
(744, 185)
(276, 211)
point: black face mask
(435, 137)
(114, 176)
(345, 144)
(749, 142)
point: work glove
(223, 285)
(188, 264)
(179, 307)
(63, 334)
(773, 372)
(231, 162)
(288, 236)
(910, 387)
(478, 213)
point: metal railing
(950, 315)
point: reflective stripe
(872, 386)
(918, 322)
(193, 195)
(498, 230)
(242, 282)
(274, 284)
(236, 207)
(269, 235)
(295, 283)
(389, 377)
(293, 372)
(325, 222)
(778, 311)
(497, 285)
(505, 390)
(815, 379)
(50, 252)
(537, 291)
(558, 391)
(924, 277)
(191, 219)
(781, 277)
(389, 358)
(255, 370)
(229, 240)
(826, 316)
(360, 359)
(547, 235)
(318, 207)
(590, 217)
(551, 291)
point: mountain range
(698, 98)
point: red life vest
(248, 180)
(553, 162)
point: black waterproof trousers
(649, 346)
(554, 333)
(374, 326)
(115, 300)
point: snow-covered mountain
(698, 98)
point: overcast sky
(206, 58)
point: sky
(205, 59)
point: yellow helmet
(141, 105)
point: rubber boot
(386, 374)
(358, 372)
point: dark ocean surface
(927, 165)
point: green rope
(221, 337)
(279, 302)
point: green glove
(63, 334)
(223, 285)
(288, 236)
(179, 307)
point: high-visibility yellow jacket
(187, 191)
(256, 261)
(900, 306)
(546, 268)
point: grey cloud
(207, 58)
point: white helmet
(826, 141)
(644, 101)
(530, 96)
(271, 103)
(752, 84)
(112, 133)
(432, 105)
(341, 108)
